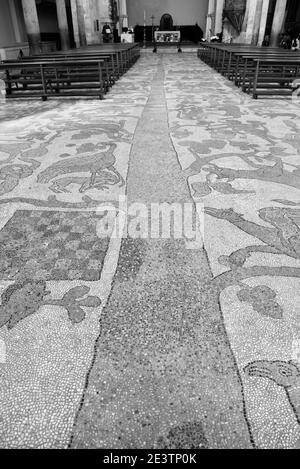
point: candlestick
(144, 45)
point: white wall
(184, 12)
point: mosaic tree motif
(283, 238)
(280, 233)
(22, 299)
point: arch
(166, 22)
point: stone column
(257, 20)
(210, 19)
(103, 6)
(63, 24)
(32, 25)
(250, 21)
(87, 21)
(15, 22)
(94, 18)
(278, 21)
(81, 23)
(123, 13)
(263, 22)
(244, 27)
(75, 22)
(89, 16)
(219, 16)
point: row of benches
(89, 71)
(258, 71)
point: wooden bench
(245, 61)
(272, 77)
(88, 71)
(226, 58)
(58, 78)
(128, 54)
(122, 56)
(110, 73)
(260, 71)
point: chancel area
(149, 226)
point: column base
(64, 39)
(12, 52)
(34, 43)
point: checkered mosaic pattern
(52, 245)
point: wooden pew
(260, 71)
(245, 62)
(77, 72)
(226, 58)
(272, 77)
(120, 57)
(55, 78)
(127, 54)
(110, 74)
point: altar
(167, 38)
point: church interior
(149, 225)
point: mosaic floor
(143, 343)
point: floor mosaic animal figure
(284, 374)
(102, 182)
(95, 164)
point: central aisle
(163, 374)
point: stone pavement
(144, 343)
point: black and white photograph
(149, 227)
